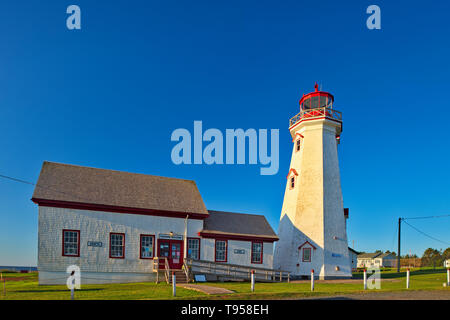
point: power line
(40, 185)
(17, 180)
(428, 217)
(427, 235)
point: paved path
(205, 289)
(402, 295)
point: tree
(432, 258)
(446, 254)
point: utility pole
(399, 237)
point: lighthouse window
(292, 182)
(298, 145)
(306, 254)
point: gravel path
(401, 295)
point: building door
(173, 251)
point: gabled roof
(369, 255)
(237, 226)
(305, 243)
(109, 190)
(353, 250)
(384, 255)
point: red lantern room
(315, 105)
(316, 99)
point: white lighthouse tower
(312, 228)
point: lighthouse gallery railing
(316, 113)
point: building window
(306, 254)
(71, 243)
(292, 183)
(147, 246)
(257, 252)
(297, 146)
(194, 248)
(221, 251)
(117, 245)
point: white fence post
(448, 277)
(253, 280)
(312, 279)
(174, 283)
(365, 279)
(407, 278)
(72, 289)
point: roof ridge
(249, 214)
(114, 170)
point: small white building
(447, 263)
(353, 256)
(377, 259)
(112, 225)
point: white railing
(187, 270)
(156, 268)
(316, 113)
(232, 271)
(167, 270)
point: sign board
(239, 251)
(336, 255)
(169, 237)
(200, 278)
(95, 244)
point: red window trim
(199, 243)
(307, 242)
(62, 241)
(310, 254)
(262, 251)
(123, 252)
(140, 245)
(289, 173)
(226, 250)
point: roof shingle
(238, 224)
(77, 184)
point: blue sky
(110, 95)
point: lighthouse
(312, 229)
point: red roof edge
(236, 237)
(307, 242)
(116, 209)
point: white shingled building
(114, 225)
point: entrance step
(180, 277)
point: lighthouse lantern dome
(316, 99)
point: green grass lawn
(28, 288)
(420, 280)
